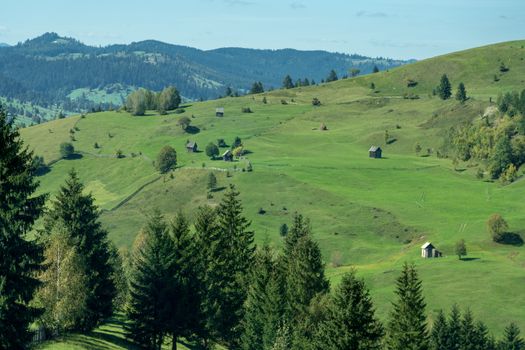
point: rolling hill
(62, 73)
(368, 214)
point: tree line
(500, 141)
(204, 280)
(142, 99)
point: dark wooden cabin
(375, 152)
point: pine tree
(304, 277)
(182, 302)
(79, 215)
(481, 338)
(454, 329)
(468, 332)
(350, 323)
(211, 270)
(332, 76)
(264, 304)
(407, 327)
(288, 82)
(19, 258)
(439, 334)
(238, 251)
(511, 339)
(148, 309)
(461, 94)
(444, 89)
(212, 182)
(300, 228)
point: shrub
(283, 102)
(96, 145)
(212, 150)
(264, 100)
(497, 227)
(184, 123)
(119, 154)
(246, 110)
(411, 83)
(166, 159)
(316, 102)
(66, 150)
(283, 230)
(221, 143)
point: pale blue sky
(398, 29)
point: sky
(388, 28)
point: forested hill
(61, 73)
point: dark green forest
(46, 69)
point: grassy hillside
(371, 214)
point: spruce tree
(454, 329)
(439, 334)
(512, 339)
(183, 302)
(209, 267)
(461, 94)
(19, 257)
(304, 277)
(288, 82)
(148, 309)
(407, 329)
(237, 250)
(468, 332)
(79, 216)
(332, 76)
(444, 89)
(264, 304)
(300, 228)
(481, 339)
(351, 322)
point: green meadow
(367, 214)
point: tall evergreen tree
(288, 82)
(407, 329)
(19, 257)
(454, 329)
(461, 94)
(300, 228)
(350, 323)
(304, 277)
(439, 334)
(148, 310)
(183, 301)
(237, 250)
(264, 305)
(79, 216)
(468, 332)
(209, 267)
(332, 76)
(444, 89)
(512, 339)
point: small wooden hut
(375, 152)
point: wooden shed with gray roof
(429, 251)
(375, 152)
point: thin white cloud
(297, 5)
(371, 14)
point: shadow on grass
(218, 189)
(391, 141)
(511, 238)
(192, 130)
(468, 259)
(74, 156)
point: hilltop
(371, 214)
(54, 71)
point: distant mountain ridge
(54, 70)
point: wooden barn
(219, 112)
(375, 152)
(227, 156)
(191, 146)
(429, 251)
